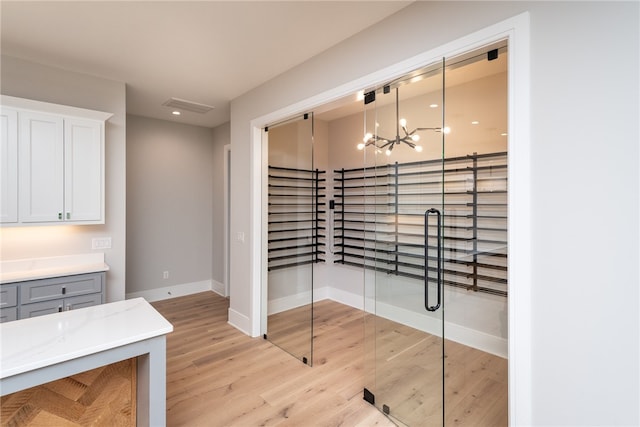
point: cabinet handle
(68, 215)
(64, 290)
(59, 308)
(59, 215)
(68, 307)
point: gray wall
(585, 184)
(35, 81)
(170, 203)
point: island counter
(42, 349)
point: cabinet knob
(59, 215)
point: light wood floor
(217, 376)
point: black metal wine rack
(296, 217)
(379, 219)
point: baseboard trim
(239, 321)
(298, 300)
(218, 288)
(173, 291)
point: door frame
(227, 218)
(516, 31)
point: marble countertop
(21, 270)
(42, 341)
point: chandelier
(409, 138)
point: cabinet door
(8, 165)
(84, 174)
(41, 160)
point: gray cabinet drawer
(58, 305)
(82, 301)
(60, 287)
(41, 308)
(8, 296)
(8, 314)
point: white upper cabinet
(8, 166)
(41, 166)
(83, 171)
(60, 163)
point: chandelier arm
(386, 144)
(407, 140)
(434, 129)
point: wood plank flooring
(217, 376)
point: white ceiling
(207, 52)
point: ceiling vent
(183, 105)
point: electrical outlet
(101, 243)
(165, 274)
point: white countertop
(37, 342)
(21, 270)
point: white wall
(35, 81)
(170, 172)
(585, 185)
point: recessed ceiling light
(433, 105)
(475, 122)
(503, 134)
(176, 113)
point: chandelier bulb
(415, 137)
(418, 148)
(403, 123)
(361, 146)
(388, 152)
(367, 137)
(446, 130)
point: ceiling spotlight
(475, 122)
(433, 106)
(176, 113)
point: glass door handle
(426, 260)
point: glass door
(292, 191)
(404, 166)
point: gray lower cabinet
(46, 296)
(8, 303)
